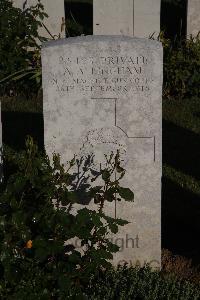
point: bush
(181, 68)
(39, 258)
(180, 267)
(140, 284)
(19, 48)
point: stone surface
(103, 93)
(193, 17)
(140, 18)
(113, 17)
(56, 12)
(147, 18)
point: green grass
(181, 176)
(186, 181)
(184, 113)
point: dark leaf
(126, 194)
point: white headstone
(193, 17)
(113, 17)
(147, 18)
(103, 93)
(56, 12)
(140, 18)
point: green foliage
(139, 284)
(181, 67)
(47, 250)
(19, 48)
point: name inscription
(102, 74)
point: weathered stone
(193, 18)
(140, 18)
(147, 18)
(103, 93)
(113, 17)
(56, 12)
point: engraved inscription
(102, 74)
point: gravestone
(147, 18)
(140, 18)
(56, 16)
(193, 17)
(113, 17)
(103, 93)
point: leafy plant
(50, 244)
(181, 67)
(20, 45)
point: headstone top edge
(92, 38)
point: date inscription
(102, 74)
